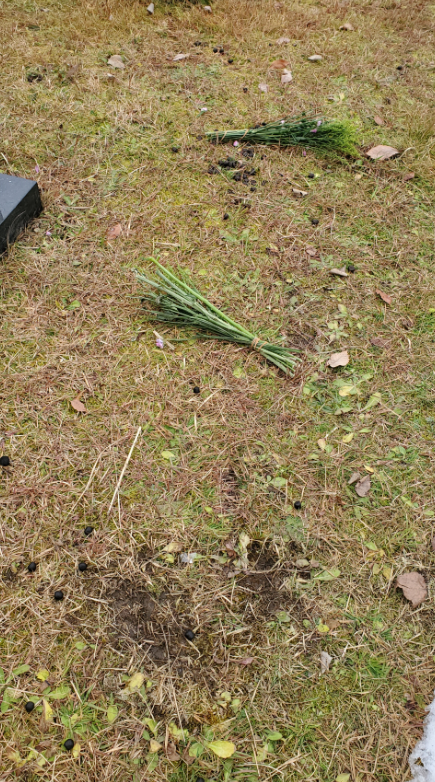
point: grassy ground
(212, 470)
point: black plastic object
(20, 201)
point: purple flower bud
(159, 343)
(236, 144)
(37, 169)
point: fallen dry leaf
(363, 486)
(263, 87)
(279, 65)
(116, 61)
(150, 8)
(321, 443)
(171, 753)
(246, 661)
(311, 251)
(382, 152)
(315, 58)
(286, 76)
(300, 193)
(346, 26)
(413, 587)
(207, 8)
(354, 477)
(338, 359)
(384, 296)
(378, 342)
(78, 406)
(325, 661)
(179, 57)
(188, 759)
(113, 232)
(282, 40)
(408, 176)
(339, 272)
(378, 120)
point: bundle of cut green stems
(176, 302)
(302, 130)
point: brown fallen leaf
(346, 26)
(188, 759)
(116, 61)
(113, 232)
(338, 359)
(171, 753)
(382, 152)
(363, 486)
(300, 193)
(263, 87)
(339, 272)
(246, 660)
(408, 176)
(282, 40)
(354, 477)
(378, 342)
(378, 120)
(311, 251)
(325, 661)
(78, 406)
(413, 587)
(279, 65)
(384, 296)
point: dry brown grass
(71, 326)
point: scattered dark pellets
(226, 216)
(245, 89)
(34, 77)
(310, 176)
(5, 461)
(198, 43)
(83, 566)
(251, 171)
(175, 149)
(200, 779)
(400, 67)
(213, 170)
(228, 162)
(215, 49)
(230, 62)
(351, 268)
(245, 178)
(69, 744)
(314, 221)
(29, 706)
(248, 152)
(189, 634)
(238, 176)
(89, 530)
(31, 567)
(58, 595)
(221, 51)
(196, 390)
(297, 505)
(253, 189)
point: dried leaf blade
(413, 587)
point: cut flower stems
(172, 300)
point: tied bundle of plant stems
(302, 130)
(176, 302)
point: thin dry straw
(118, 485)
(178, 303)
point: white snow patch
(424, 751)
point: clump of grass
(313, 132)
(177, 302)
